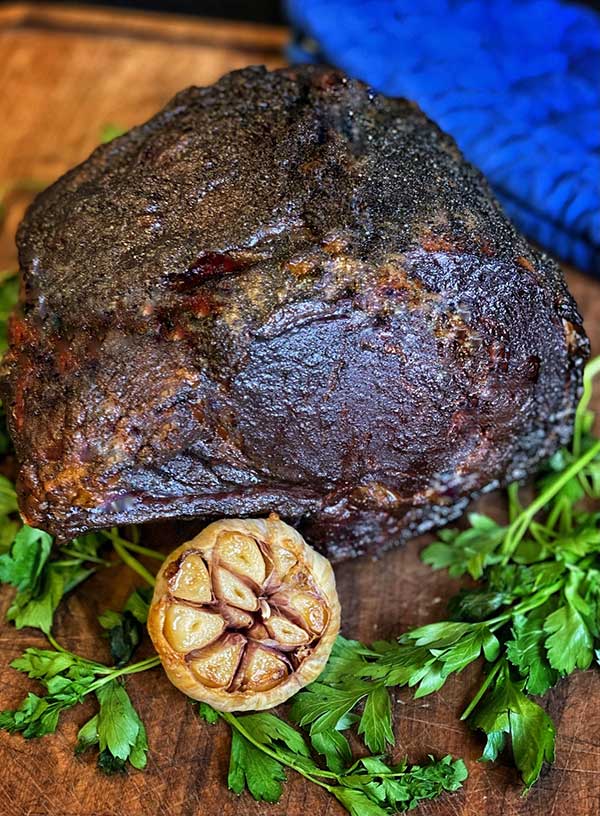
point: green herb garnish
(125, 629)
(68, 678)
(263, 745)
(537, 598)
(42, 579)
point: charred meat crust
(283, 292)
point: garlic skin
(276, 597)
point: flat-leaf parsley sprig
(537, 601)
(68, 678)
(44, 573)
(263, 745)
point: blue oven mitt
(516, 82)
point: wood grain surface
(64, 73)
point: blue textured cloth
(516, 82)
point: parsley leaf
(467, 551)
(208, 713)
(527, 650)
(322, 706)
(505, 711)
(376, 721)
(334, 747)
(268, 729)
(125, 629)
(37, 610)
(40, 578)
(67, 679)
(250, 768)
(569, 643)
(357, 803)
(23, 565)
(40, 589)
(119, 728)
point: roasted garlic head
(245, 614)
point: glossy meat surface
(284, 292)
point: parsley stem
(66, 562)
(519, 526)
(285, 760)
(84, 557)
(137, 548)
(100, 668)
(134, 546)
(56, 644)
(591, 369)
(483, 688)
(132, 562)
(539, 598)
(107, 672)
(143, 665)
(514, 505)
(555, 514)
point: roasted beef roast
(285, 293)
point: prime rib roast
(287, 293)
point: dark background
(260, 11)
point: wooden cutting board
(64, 73)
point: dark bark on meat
(283, 292)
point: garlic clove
(241, 555)
(192, 582)
(235, 592)
(311, 610)
(283, 559)
(306, 608)
(286, 633)
(216, 665)
(236, 618)
(262, 669)
(187, 628)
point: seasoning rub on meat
(282, 293)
